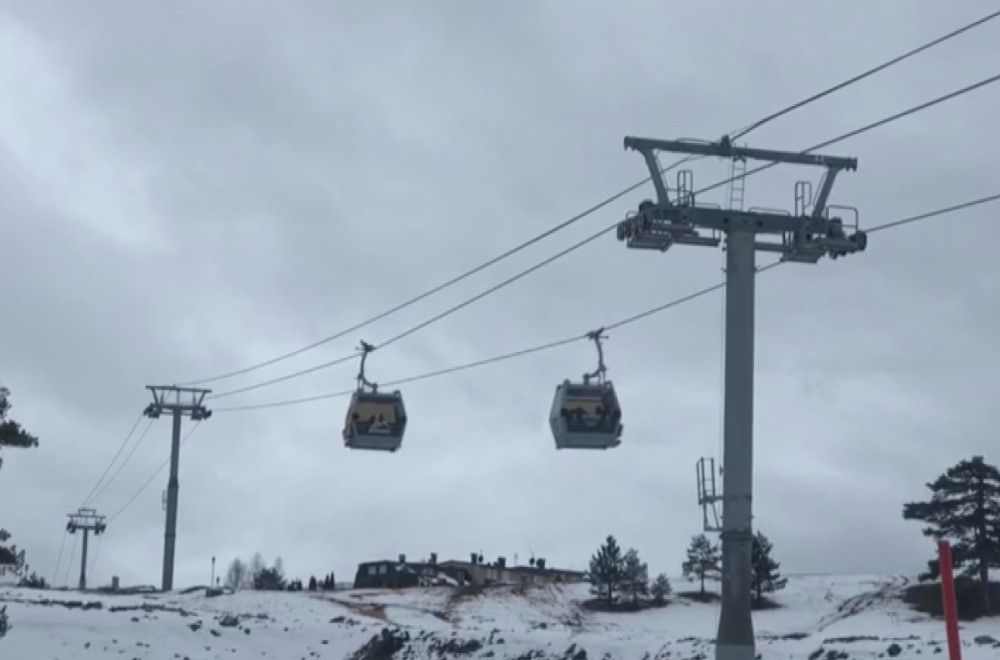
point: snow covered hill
(821, 617)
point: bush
(926, 598)
(33, 581)
(701, 597)
(660, 589)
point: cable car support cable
(853, 133)
(593, 209)
(618, 324)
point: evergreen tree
(269, 579)
(703, 560)
(607, 570)
(11, 433)
(764, 575)
(635, 575)
(7, 555)
(11, 559)
(965, 509)
(660, 589)
(312, 583)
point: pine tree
(7, 555)
(607, 570)
(269, 579)
(11, 433)
(764, 575)
(703, 560)
(965, 509)
(635, 575)
(312, 583)
(12, 560)
(660, 589)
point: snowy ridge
(821, 617)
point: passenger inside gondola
(591, 414)
(375, 418)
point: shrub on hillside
(660, 589)
(926, 598)
(699, 596)
(33, 581)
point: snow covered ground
(822, 617)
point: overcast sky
(187, 188)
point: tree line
(258, 576)
(623, 578)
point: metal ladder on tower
(737, 183)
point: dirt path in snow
(863, 602)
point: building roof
(517, 569)
(466, 564)
(547, 569)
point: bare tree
(256, 565)
(237, 575)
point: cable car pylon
(815, 230)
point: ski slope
(821, 617)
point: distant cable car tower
(85, 520)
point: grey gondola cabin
(586, 416)
(375, 420)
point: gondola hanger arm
(365, 349)
(596, 336)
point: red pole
(948, 600)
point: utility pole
(85, 520)
(806, 235)
(178, 401)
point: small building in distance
(385, 573)
(400, 574)
(483, 574)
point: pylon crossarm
(725, 149)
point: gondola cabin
(375, 420)
(586, 416)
